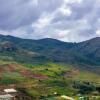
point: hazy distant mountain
(26, 50)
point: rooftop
(10, 90)
(6, 96)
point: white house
(6, 97)
(10, 91)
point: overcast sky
(67, 20)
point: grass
(60, 78)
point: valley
(49, 69)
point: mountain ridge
(44, 50)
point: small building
(10, 91)
(67, 97)
(6, 97)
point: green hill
(40, 68)
(84, 54)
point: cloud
(43, 21)
(67, 20)
(72, 1)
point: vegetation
(44, 80)
(49, 68)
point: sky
(66, 20)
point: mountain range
(85, 54)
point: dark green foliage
(39, 51)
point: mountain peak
(48, 39)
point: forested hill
(43, 50)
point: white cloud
(72, 1)
(34, 2)
(65, 10)
(43, 21)
(20, 32)
(98, 32)
(82, 24)
(67, 20)
(62, 33)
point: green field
(43, 80)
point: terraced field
(43, 80)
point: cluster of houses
(8, 94)
(13, 94)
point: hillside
(85, 54)
(43, 80)
(41, 68)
